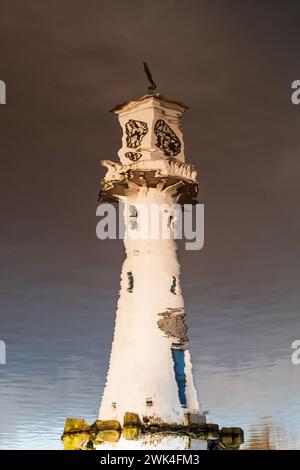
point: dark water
(58, 285)
(58, 349)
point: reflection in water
(266, 436)
(150, 369)
(152, 442)
(109, 435)
(150, 400)
(58, 335)
(179, 367)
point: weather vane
(152, 87)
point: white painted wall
(141, 365)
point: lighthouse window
(133, 211)
(170, 222)
(133, 217)
(130, 281)
(178, 361)
(174, 285)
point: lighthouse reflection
(150, 379)
(149, 385)
(150, 369)
(150, 399)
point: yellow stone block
(105, 425)
(75, 441)
(131, 433)
(108, 435)
(74, 424)
(131, 419)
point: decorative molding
(133, 156)
(167, 140)
(135, 132)
(117, 171)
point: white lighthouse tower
(150, 370)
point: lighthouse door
(178, 361)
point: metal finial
(152, 87)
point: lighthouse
(150, 371)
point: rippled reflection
(78, 435)
(150, 399)
(47, 379)
(268, 436)
(150, 369)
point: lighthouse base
(104, 435)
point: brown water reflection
(267, 435)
